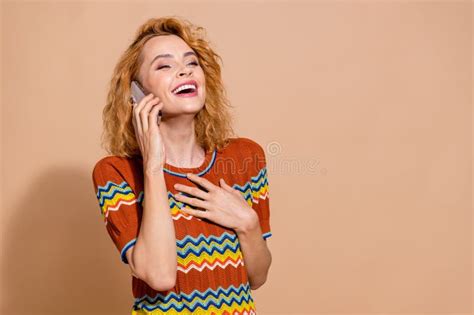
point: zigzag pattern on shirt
(112, 196)
(231, 300)
(175, 206)
(256, 188)
(209, 252)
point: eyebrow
(171, 56)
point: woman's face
(160, 75)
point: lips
(193, 82)
(192, 94)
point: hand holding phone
(138, 93)
(148, 134)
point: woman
(185, 204)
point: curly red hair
(213, 125)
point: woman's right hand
(145, 123)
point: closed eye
(191, 63)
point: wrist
(154, 175)
(153, 171)
(248, 225)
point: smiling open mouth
(186, 92)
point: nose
(185, 71)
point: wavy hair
(213, 123)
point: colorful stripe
(183, 175)
(125, 248)
(232, 300)
(112, 196)
(209, 252)
(267, 235)
(256, 188)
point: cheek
(201, 74)
(162, 86)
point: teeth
(183, 87)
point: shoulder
(246, 145)
(115, 168)
(108, 164)
(249, 152)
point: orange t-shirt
(211, 275)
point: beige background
(364, 109)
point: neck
(181, 147)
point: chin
(188, 108)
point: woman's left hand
(223, 205)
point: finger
(202, 181)
(139, 106)
(192, 201)
(136, 114)
(225, 186)
(153, 116)
(196, 213)
(145, 112)
(230, 189)
(193, 191)
(236, 191)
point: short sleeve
(119, 206)
(260, 193)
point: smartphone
(138, 93)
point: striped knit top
(211, 275)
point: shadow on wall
(58, 257)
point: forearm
(155, 249)
(257, 256)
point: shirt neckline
(202, 169)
